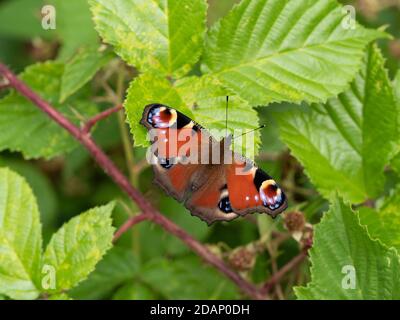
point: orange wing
(252, 190)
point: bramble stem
(129, 224)
(282, 271)
(102, 115)
(116, 175)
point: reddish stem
(110, 169)
(129, 224)
(285, 269)
(102, 115)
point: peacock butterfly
(214, 182)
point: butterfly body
(214, 183)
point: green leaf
(81, 69)
(117, 267)
(165, 36)
(134, 291)
(60, 296)
(396, 85)
(271, 142)
(20, 237)
(144, 90)
(285, 50)
(345, 144)
(384, 222)
(266, 226)
(74, 26)
(25, 128)
(339, 243)
(154, 241)
(395, 162)
(22, 19)
(210, 100)
(204, 93)
(42, 189)
(76, 248)
(187, 277)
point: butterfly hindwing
(210, 201)
(175, 179)
(253, 190)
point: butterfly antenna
(226, 116)
(260, 127)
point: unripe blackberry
(242, 259)
(294, 221)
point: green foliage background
(330, 99)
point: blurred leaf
(27, 129)
(384, 222)
(74, 26)
(60, 296)
(234, 234)
(171, 31)
(345, 144)
(81, 69)
(265, 226)
(107, 135)
(396, 85)
(340, 241)
(314, 207)
(76, 248)
(20, 237)
(395, 162)
(187, 277)
(261, 270)
(205, 93)
(42, 189)
(134, 291)
(270, 139)
(118, 266)
(12, 51)
(155, 241)
(291, 50)
(22, 19)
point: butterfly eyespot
(160, 116)
(225, 205)
(271, 195)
